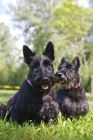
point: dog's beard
(68, 85)
(65, 82)
(42, 87)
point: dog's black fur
(36, 98)
(71, 96)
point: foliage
(73, 25)
(77, 129)
(12, 70)
(69, 20)
(6, 43)
(6, 53)
(33, 18)
(68, 25)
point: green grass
(6, 94)
(81, 129)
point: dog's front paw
(49, 110)
(46, 99)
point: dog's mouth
(62, 81)
(45, 86)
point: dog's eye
(47, 62)
(72, 69)
(35, 65)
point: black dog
(36, 98)
(71, 96)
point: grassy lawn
(81, 129)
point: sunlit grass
(6, 94)
(81, 129)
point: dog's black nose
(45, 79)
(59, 74)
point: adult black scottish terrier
(36, 98)
(71, 96)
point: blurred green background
(64, 22)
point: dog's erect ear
(76, 62)
(62, 63)
(63, 60)
(28, 54)
(49, 51)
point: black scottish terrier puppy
(36, 98)
(71, 96)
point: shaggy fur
(71, 96)
(36, 98)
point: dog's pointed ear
(28, 54)
(62, 63)
(63, 60)
(49, 51)
(76, 62)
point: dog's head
(41, 73)
(67, 74)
